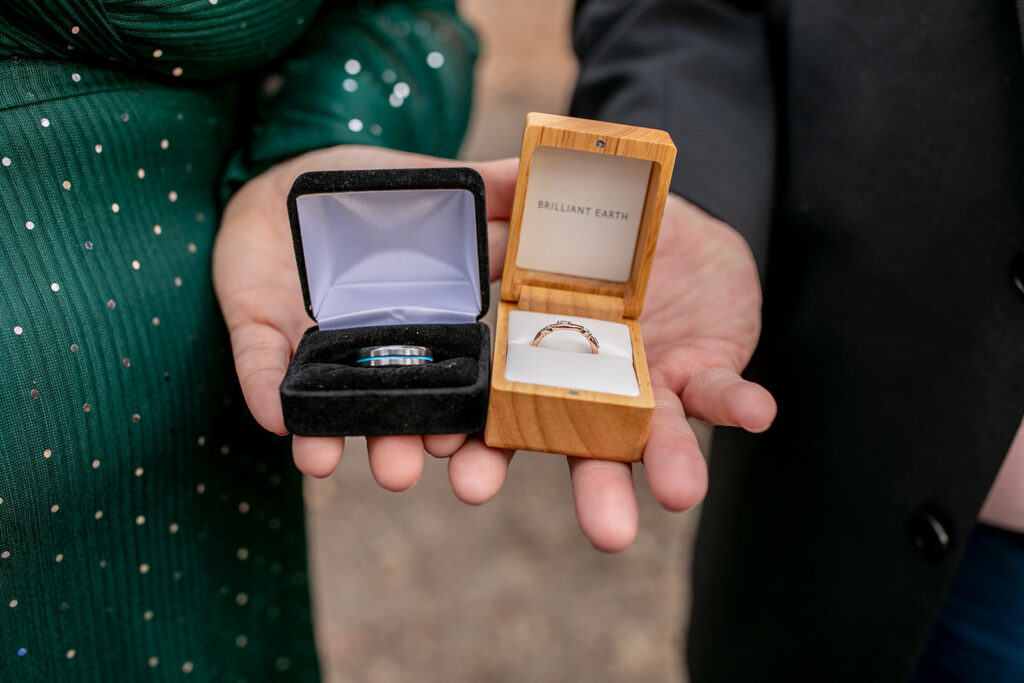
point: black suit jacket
(873, 155)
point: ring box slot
(585, 219)
(394, 256)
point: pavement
(418, 586)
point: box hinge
(547, 300)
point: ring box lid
(391, 246)
(588, 205)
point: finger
(500, 184)
(443, 445)
(497, 243)
(605, 503)
(261, 355)
(477, 472)
(317, 456)
(396, 461)
(719, 396)
(676, 470)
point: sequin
(75, 30)
(136, 265)
(350, 85)
(243, 507)
(153, 662)
(165, 143)
(124, 116)
(241, 599)
(157, 230)
(13, 603)
(375, 129)
(140, 520)
(74, 348)
(173, 528)
(18, 330)
(355, 125)
(138, 470)
(177, 71)
(402, 89)
(6, 161)
(111, 304)
(156, 321)
(241, 640)
(115, 207)
(70, 654)
(76, 77)
(59, 558)
(22, 652)
(243, 553)
(201, 440)
(88, 246)
(435, 60)
(177, 282)
(172, 195)
(47, 453)
(98, 149)
(5, 554)
(86, 407)
(45, 123)
(34, 393)
(148, 615)
(29, 225)
(99, 514)
(54, 287)
(66, 185)
(141, 173)
(158, 53)
(201, 488)
(388, 76)
(95, 465)
(54, 508)
(352, 66)
(143, 568)
(395, 101)
(192, 248)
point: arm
(700, 69)
(309, 103)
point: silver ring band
(394, 355)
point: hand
(257, 284)
(701, 322)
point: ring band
(394, 355)
(567, 325)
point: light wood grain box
(588, 206)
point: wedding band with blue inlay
(395, 355)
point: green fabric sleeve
(394, 74)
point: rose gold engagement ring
(566, 325)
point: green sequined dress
(149, 529)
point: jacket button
(929, 535)
(1017, 271)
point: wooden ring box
(588, 206)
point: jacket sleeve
(699, 69)
(394, 74)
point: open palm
(257, 285)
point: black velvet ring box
(396, 256)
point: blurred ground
(420, 587)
